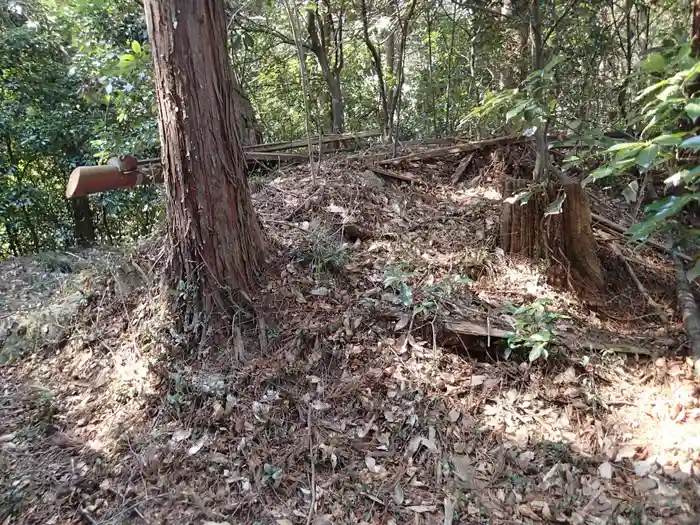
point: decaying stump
(561, 235)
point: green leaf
(669, 92)
(693, 273)
(642, 230)
(647, 156)
(136, 47)
(536, 352)
(669, 206)
(630, 191)
(556, 206)
(691, 143)
(543, 336)
(623, 164)
(600, 173)
(649, 90)
(519, 108)
(693, 110)
(676, 178)
(669, 140)
(554, 63)
(654, 63)
(624, 145)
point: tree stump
(563, 238)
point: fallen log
(571, 341)
(86, 180)
(303, 143)
(457, 148)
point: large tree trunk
(216, 241)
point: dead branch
(689, 310)
(312, 504)
(459, 172)
(390, 174)
(620, 229)
(571, 341)
(457, 148)
(642, 290)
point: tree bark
(215, 239)
(564, 239)
(83, 223)
(320, 29)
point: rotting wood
(484, 329)
(689, 311)
(564, 237)
(642, 290)
(462, 168)
(391, 174)
(620, 229)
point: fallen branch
(689, 310)
(282, 158)
(484, 329)
(656, 306)
(459, 172)
(302, 143)
(620, 229)
(312, 504)
(457, 148)
(390, 174)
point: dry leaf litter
(349, 400)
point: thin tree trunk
(216, 240)
(83, 223)
(505, 78)
(378, 69)
(306, 90)
(12, 239)
(541, 162)
(431, 86)
(450, 58)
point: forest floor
(339, 405)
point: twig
(86, 516)
(386, 173)
(373, 498)
(640, 194)
(313, 468)
(459, 172)
(638, 284)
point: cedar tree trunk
(216, 241)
